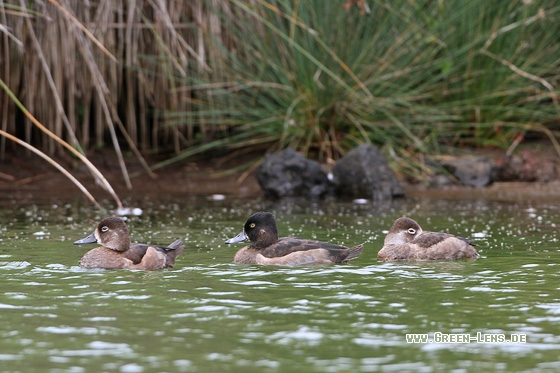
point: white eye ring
(104, 228)
(411, 231)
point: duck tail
(173, 251)
(353, 252)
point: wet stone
(477, 172)
(290, 174)
(365, 173)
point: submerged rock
(365, 173)
(290, 174)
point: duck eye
(411, 231)
(252, 225)
(104, 228)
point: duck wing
(137, 251)
(430, 239)
(289, 245)
(430, 246)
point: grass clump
(411, 77)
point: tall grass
(408, 76)
(217, 77)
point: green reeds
(411, 77)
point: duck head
(260, 229)
(404, 230)
(111, 232)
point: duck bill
(89, 239)
(239, 238)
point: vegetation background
(179, 79)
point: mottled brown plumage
(117, 251)
(407, 241)
(266, 248)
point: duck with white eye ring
(407, 241)
(116, 250)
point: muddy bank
(26, 179)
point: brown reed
(101, 64)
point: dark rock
(472, 171)
(365, 173)
(290, 174)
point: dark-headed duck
(267, 248)
(118, 252)
(407, 241)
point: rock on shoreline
(362, 173)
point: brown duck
(407, 241)
(117, 251)
(266, 248)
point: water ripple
(304, 335)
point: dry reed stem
(55, 164)
(4, 98)
(84, 29)
(52, 85)
(86, 161)
(518, 71)
(144, 85)
(103, 91)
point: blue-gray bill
(89, 239)
(239, 238)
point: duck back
(288, 245)
(137, 251)
(295, 251)
(134, 258)
(430, 246)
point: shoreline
(28, 179)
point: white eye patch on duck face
(104, 228)
(411, 231)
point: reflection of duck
(267, 248)
(118, 252)
(407, 241)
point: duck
(267, 249)
(117, 252)
(407, 241)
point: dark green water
(209, 315)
